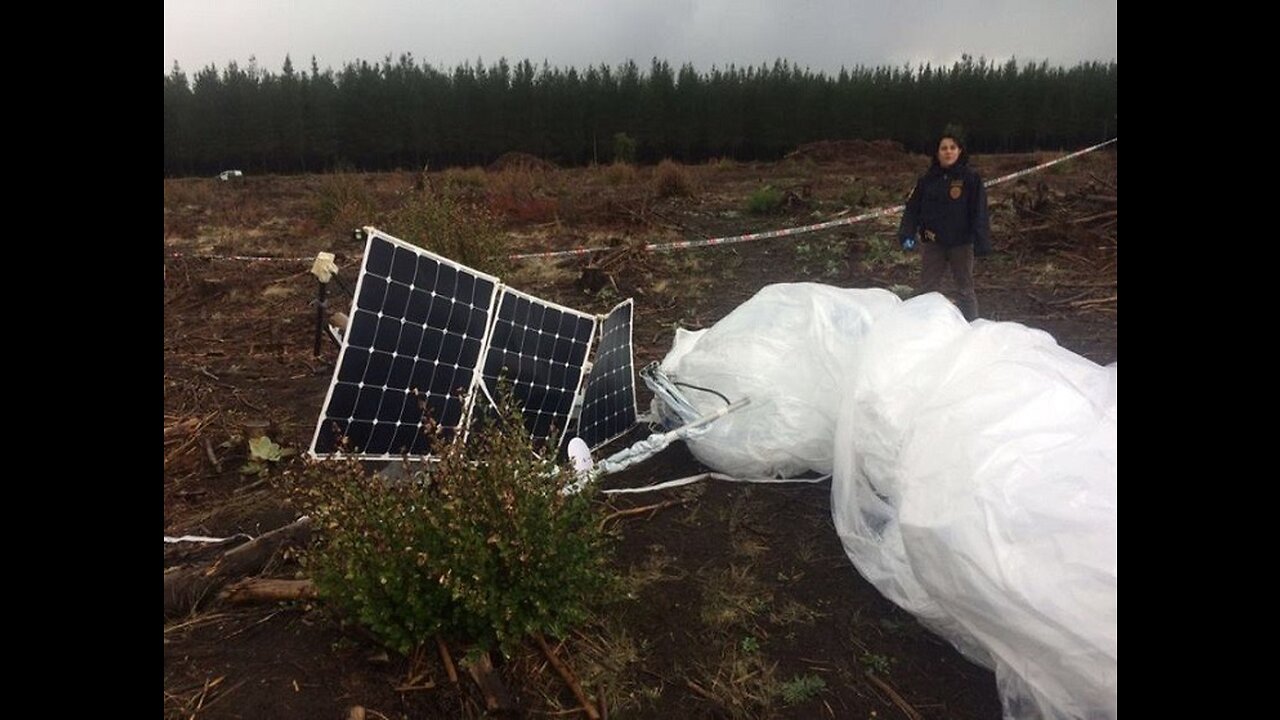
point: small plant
(459, 181)
(722, 163)
(484, 547)
(883, 251)
(820, 257)
(733, 596)
(878, 664)
(765, 201)
(458, 230)
(862, 194)
(343, 202)
(671, 180)
(620, 173)
(801, 688)
(750, 644)
(624, 148)
(263, 452)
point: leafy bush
(480, 546)
(451, 227)
(620, 173)
(861, 193)
(878, 664)
(816, 256)
(459, 181)
(671, 180)
(343, 202)
(764, 201)
(624, 148)
(801, 688)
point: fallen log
(185, 588)
(496, 697)
(267, 590)
(567, 675)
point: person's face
(948, 152)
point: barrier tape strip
(1064, 158)
(176, 254)
(682, 244)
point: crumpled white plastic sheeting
(789, 349)
(975, 485)
(974, 472)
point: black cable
(695, 387)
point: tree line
(405, 114)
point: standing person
(947, 210)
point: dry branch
(447, 660)
(902, 704)
(637, 511)
(495, 693)
(184, 588)
(267, 590)
(587, 706)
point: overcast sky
(820, 34)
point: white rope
(715, 476)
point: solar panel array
(609, 404)
(425, 332)
(418, 326)
(540, 348)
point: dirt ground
(740, 601)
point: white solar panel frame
(631, 352)
(490, 392)
(468, 402)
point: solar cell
(417, 327)
(540, 348)
(609, 403)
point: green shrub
(343, 202)
(624, 148)
(671, 180)
(861, 193)
(480, 546)
(620, 173)
(460, 181)
(449, 226)
(765, 201)
(801, 689)
(824, 257)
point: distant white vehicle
(228, 174)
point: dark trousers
(935, 257)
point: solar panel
(540, 348)
(609, 404)
(417, 328)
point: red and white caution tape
(1064, 158)
(558, 253)
(785, 232)
(682, 244)
(177, 254)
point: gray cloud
(819, 34)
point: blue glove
(909, 243)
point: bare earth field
(740, 600)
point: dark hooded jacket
(949, 206)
